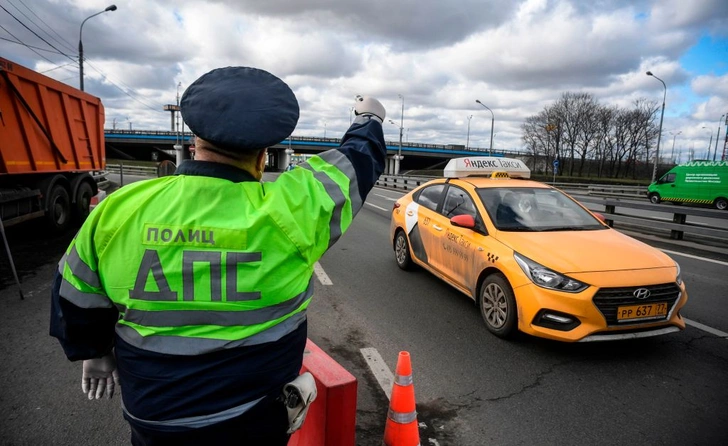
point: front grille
(608, 299)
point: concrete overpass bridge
(157, 145)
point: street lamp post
(80, 42)
(467, 140)
(672, 154)
(398, 157)
(492, 124)
(659, 134)
(710, 142)
(717, 137)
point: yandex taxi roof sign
(485, 166)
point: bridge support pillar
(278, 160)
(393, 164)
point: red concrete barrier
(331, 419)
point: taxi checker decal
(492, 258)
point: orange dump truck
(52, 152)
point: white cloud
(516, 57)
(711, 85)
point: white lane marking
(386, 197)
(381, 372)
(705, 328)
(321, 274)
(375, 206)
(695, 257)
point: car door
(422, 235)
(463, 252)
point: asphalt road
(471, 388)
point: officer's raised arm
(331, 187)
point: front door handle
(437, 227)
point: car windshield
(535, 210)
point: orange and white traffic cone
(402, 428)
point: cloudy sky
(516, 57)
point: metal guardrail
(132, 169)
(617, 191)
(678, 227)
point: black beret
(240, 109)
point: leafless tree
(610, 140)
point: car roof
(483, 182)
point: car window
(429, 197)
(535, 209)
(458, 202)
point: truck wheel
(721, 203)
(655, 198)
(58, 209)
(84, 193)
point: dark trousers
(264, 424)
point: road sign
(556, 163)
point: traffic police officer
(190, 291)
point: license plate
(646, 311)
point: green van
(702, 182)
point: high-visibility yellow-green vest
(196, 263)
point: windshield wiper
(517, 228)
(566, 228)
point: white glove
(99, 376)
(369, 106)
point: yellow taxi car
(533, 258)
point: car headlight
(678, 278)
(547, 278)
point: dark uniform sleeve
(365, 148)
(82, 316)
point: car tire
(498, 306)
(721, 204)
(655, 198)
(402, 251)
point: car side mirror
(463, 221)
(600, 216)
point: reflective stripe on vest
(198, 421)
(83, 299)
(182, 318)
(81, 270)
(185, 345)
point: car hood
(586, 251)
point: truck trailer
(52, 152)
